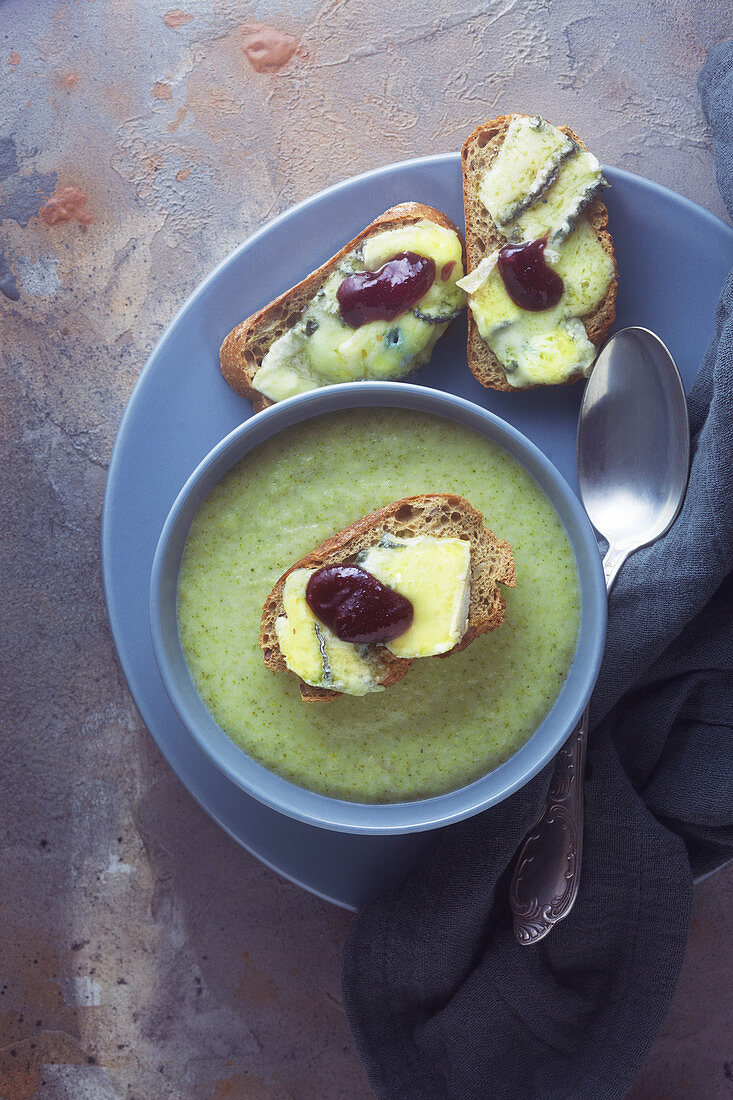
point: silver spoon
(633, 465)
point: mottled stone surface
(144, 954)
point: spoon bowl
(633, 441)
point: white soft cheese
(314, 653)
(435, 576)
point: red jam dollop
(356, 606)
(529, 280)
(385, 294)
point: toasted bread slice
(443, 515)
(246, 345)
(483, 237)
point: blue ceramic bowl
(318, 809)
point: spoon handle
(547, 872)
(612, 562)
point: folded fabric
(443, 1003)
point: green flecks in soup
(450, 720)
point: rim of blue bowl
(323, 810)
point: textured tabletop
(143, 953)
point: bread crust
(246, 345)
(441, 514)
(483, 237)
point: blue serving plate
(673, 258)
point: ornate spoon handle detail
(546, 876)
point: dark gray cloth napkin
(443, 1003)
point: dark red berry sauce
(530, 282)
(356, 606)
(385, 294)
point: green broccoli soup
(450, 720)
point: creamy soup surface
(451, 719)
